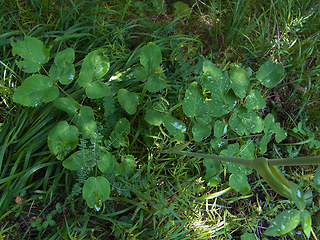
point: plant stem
(298, 161)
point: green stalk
(265, 167)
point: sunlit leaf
(62, 139)
(128, 100)
(63, 70)
(175, 127)
(269, 74)
(95, 191)
(255, 100)
(306, 222)
(95, 65)
(194, 101)
(240, 81)
(35, 90)
(33, 51)
(285, 222)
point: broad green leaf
(255, 100)
(240, 81)
(247, 150)
(175, 127)
(35, 90)
(200, 131)
(244, 121)
(119, 135)
(156, 82)
(77, 161)
(305, 217)
(63, 70)
(269, 74)
(181, 8)
(231, 150)
(85, 122)
(285, 222)
(141, 74)
(128, 166)
(194, 100)
(264, 143)
(150, 57)
(97, 90)
(153, 117)
(220, 128)
(67, 104)
(62, 139)
(33, 51)
(248, 236)
(217, 108)
(218, 144)
(128, 100)
(239, 182)
(95, 65)
(213, 170)
(215, 80)
(298, 196)
(272, 127)
(316, 180)
(95, 191)
(104, 161)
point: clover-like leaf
(285, 222)
(33, 51)
(153, 117)
(97, 90)
(35, 90)
(213, 170)
(272, 127)
(128, 100)
(150, 57)
(240, 81)
(104, 161)
(200, 131)
(175, 127)
(62, 139)
(95, 191)
(119, 135)
(193, 102)
(218, 144)
(85, 122)
(77, 161)
(67, 104)
(220, 128)
(156, 82)
(95, 65)
(239, 182)
(269, 74)
(63, 70)
(255, 100)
